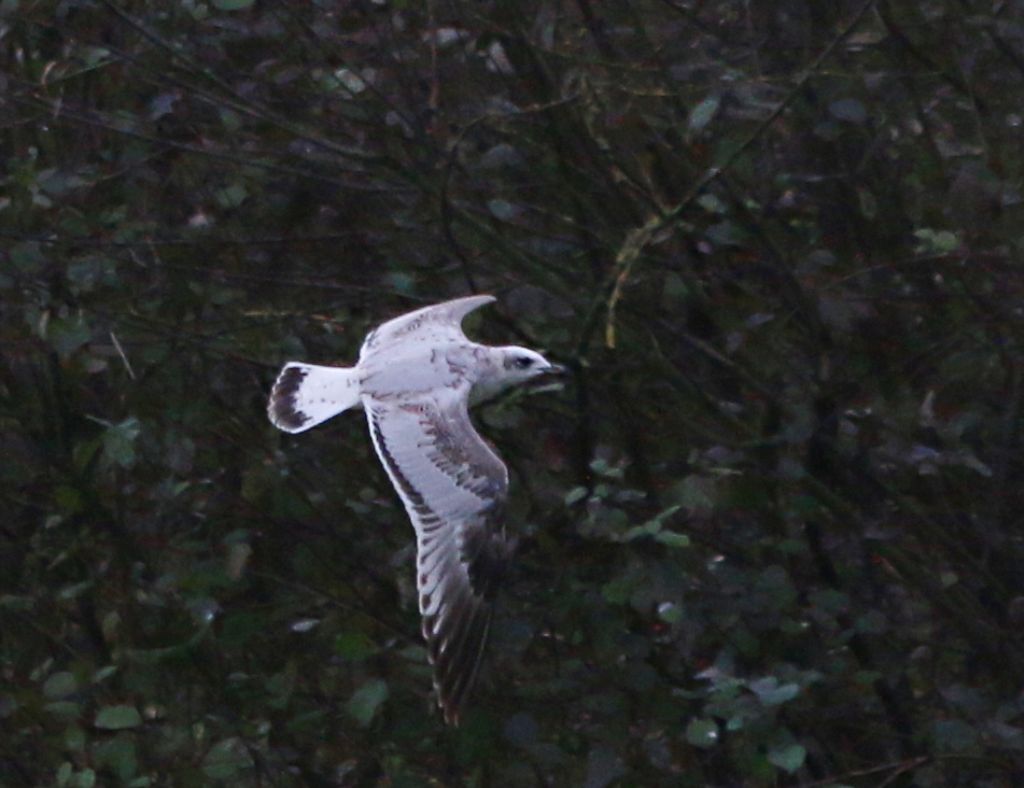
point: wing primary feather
(439, 464)
(457, 665)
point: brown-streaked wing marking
(438, 323)
(453, 487)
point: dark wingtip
(457, 665)
(281, 408)
(457, 636)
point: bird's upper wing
(453, 487)
(435, 324)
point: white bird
(416, 378)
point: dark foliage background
(769, 534)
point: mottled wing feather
(436, 324)
(454, 488)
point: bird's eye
(523, 362)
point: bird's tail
(305, 395)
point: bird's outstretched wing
(435, 324)
(453, 487)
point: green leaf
(119, 442)
(104, 673)
(93, 55)
(710, 203)
(60, 685)
(84, 452)
(115, 718)
(771, 693)
(638, 531)
(702, 114)
(574, 495)
(13, 602)
(617, 590)
(88, 273)
(788, 758)
(75, 739)
(350, 80)
(702, 733)
(402, 282)
(936, 241)
(653, 527)
(954, 736)
(602, 467)
(367, 699)
(280, 687)
(727, 233)
(502, 209)
(670, 612)
(118, 755)
(693, 493)
(231, 196)
(226, 758)
(75, 590)
(232, 5)
(231, 121)
(848, 109)
(66, 335)
(64, 709)
(672, 539)
(656, 522)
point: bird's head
(508, 367)
(518, 365)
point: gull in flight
(416, 378)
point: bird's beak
(556, 369)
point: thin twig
(124, 358)
(899, 768)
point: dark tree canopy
(767, 534)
